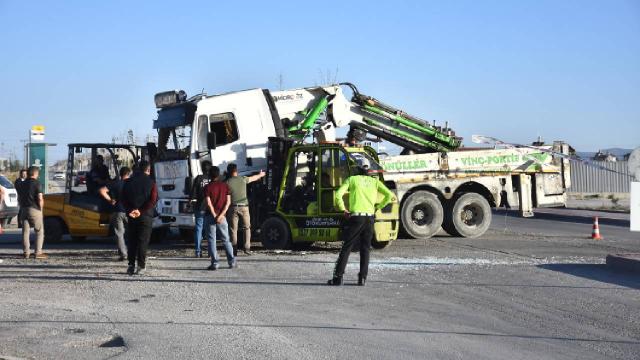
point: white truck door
(242, 123)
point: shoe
(41, 256)
(336, 281)
(213, 267)
(248, 252)
(198, 255)
(27, 255)
(130, 270)
(233, 264)
(122, 257)
(235, 252)
(361, 280)
(141, 271)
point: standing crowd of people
(219, 205)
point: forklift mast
(269, 189)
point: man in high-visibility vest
(363, 195)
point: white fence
(589, 179)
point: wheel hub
(470, 215)
(273, 234)
(420, 216)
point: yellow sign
(37, 133)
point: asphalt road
(533, 289)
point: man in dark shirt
(31, 203)
(199, 205)
(139, 197)
(20, 180)
(17, 184)
(218, 197)
(112, 194)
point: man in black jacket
(139, 197)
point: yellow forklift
(79, 210)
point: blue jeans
(197, 233)
(222, 231)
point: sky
(514, 70)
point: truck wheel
(421, 215)
(379, 244)
(53, 229)
(470, 216)
(275, 234)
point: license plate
(166, 210)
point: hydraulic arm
(301, 111)
(396, 126)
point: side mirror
(212, 140)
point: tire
(275, 234)
(379, 244)
(469, 216)
(421, 215)
(53, 229)
(303, 245)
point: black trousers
(356, 229)
(138, 236)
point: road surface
(534, 289)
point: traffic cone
(595, 233)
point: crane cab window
(335, 170)
(225, 127)
(300, 196)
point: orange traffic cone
(595, 233)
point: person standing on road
(112, 194)
(363, 194)
(199, 206)
(31, 203)
(218, 199)
(240, 206)
(139, 197)
(17, 184)
(21, 179)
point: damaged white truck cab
(189, 130)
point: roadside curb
(624, 262)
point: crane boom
(301, 110)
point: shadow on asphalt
(330, 328)
(57, 275)
(566, 218)
(597, 272)
(150, 279)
